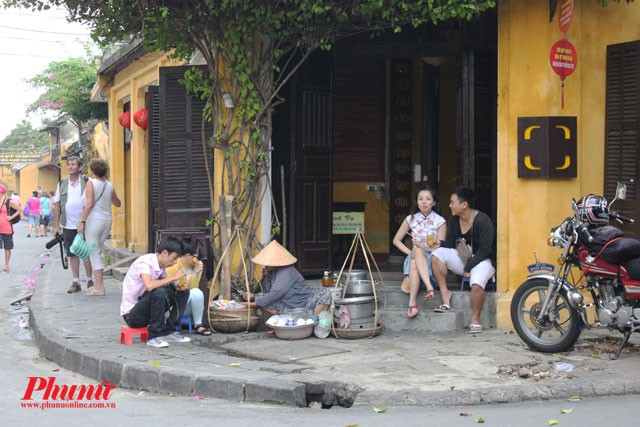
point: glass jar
(326, 279)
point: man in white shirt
(67, 210)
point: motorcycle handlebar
(621, 219)
(584, 234)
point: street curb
(494, 395)
(133, 376)
(250, 386)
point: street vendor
(284, 287)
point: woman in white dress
(425, 226)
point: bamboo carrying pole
(236, 236)
(360, 243)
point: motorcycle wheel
(558, 331)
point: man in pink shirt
(146, 291)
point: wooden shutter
(183, 202)
(153, 142)
(622, 128)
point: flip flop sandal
(410, 313)
(431, 294)
(443, 308)
(475, 329)
(201, 330)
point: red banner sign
(566, 14)
(563, 58)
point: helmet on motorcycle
(592, 210)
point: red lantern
(564, 60)
(141, 118)
(125, 119)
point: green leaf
(234, 365)
(379, 410)
(566, 411)
(574, 399)
(480, 420)
(553, 422)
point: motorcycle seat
(633, 268)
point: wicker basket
(356, 334)
(234, 320)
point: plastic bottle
(322, 329)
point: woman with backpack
(6, 225)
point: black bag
(620, 249)
(11, 212)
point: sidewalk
(82, 334)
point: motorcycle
(549, 310)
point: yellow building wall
(527, 86)
(100, 141)
(32, 176)
(129, 168)
(7, 178)
(376, 213)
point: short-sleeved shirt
(34, 206)
(73, 208)
(44, 204)
(182, 282)
(5, 225)
(133, 286)
(419, 224)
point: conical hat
(274, 255)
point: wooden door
(179, 189)
(476, 118)
(311, 167)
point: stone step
(118, 273)
(395, 303)
(395, 319)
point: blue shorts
(407, 261)
(34, 219)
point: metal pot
(359, 307)
(355, 275)
(357, 288)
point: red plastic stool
(127, 333)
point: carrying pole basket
(233, 320)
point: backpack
(11, 212)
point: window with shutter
(179, 183)
(622, 128)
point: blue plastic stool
(186, 320)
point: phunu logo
(51, 391)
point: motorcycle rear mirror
(621, 191)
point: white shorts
(480, 274)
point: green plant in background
(251, 48)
